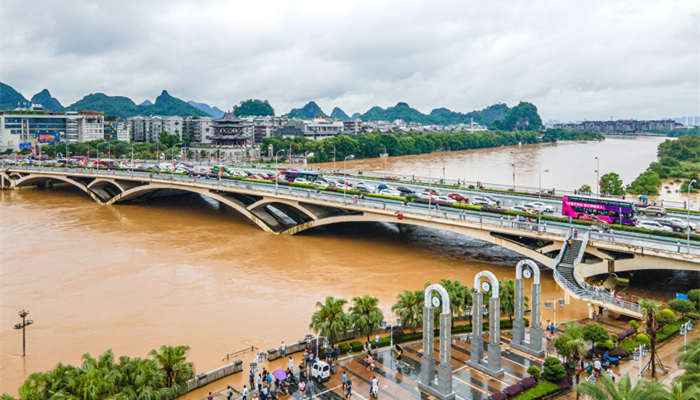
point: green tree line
(678, 159)
(399, 144)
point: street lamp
(685, 329)
(278, 151)
(350, 157)
(540, 192)
(23, 326)
(687, 217)
(391, 330)
(513, 165)
(597, 175)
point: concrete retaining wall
(210, 376)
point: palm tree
(330, 320)
(606, 389)
(571, 345)
(689, 360)
(366, 317)
(650, 309)
(675, 391)
(460, 296)
(172, 360)
(409, 306)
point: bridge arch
(39, 178)
(294, 204)
(456, 228)
(141, 190)
(103, 181)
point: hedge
(540, 390)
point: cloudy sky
(574, 59)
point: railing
(581, 251)
(418, 209)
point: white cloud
(573, 59)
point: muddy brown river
(183, 270)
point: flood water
(183, 270)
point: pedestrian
(310, 388)
(210, 397)
(336, 350)
(348, 389)
(376, 341)
(229, 393)
(245, 393)
(290, 364)
(269, 378)
(345, 379)
(283, 348)
(302, 389)
(597, 366)
(575, 233)
(251, 377)
(678, 246)
(259, 382)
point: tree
(611, 184)
(584, 189)
(694, 295)
(682, 306)
(666, 317)
(366, 317)
(689, 361)
(675, 391)
(409, 306)
(253, 107)
(570, 344)
(553, 370)
(534, 372)
(594, 333)
(460, 296)
(173, 361)
(330, 320)
(605, 388)
(650, 308)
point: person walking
(245, 393)
(290, 364)
(210, 397)
(251, 378)
(259, 382)
(376, 341)
(229, 393)
(310, 388)
(345, 380)
(348, 389)
(283, 348)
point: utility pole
(23, 326)
(687, 217)
(597, 175)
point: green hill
(124, 107)
(10, 98)
(338, 113)
(49, 103)
(310, 111)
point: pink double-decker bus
(611, 211)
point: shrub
(682, 306)
(542, 389)
(666, 317)
(344, 348)
(356, 346)
(634, 324)
(605, 345)
(534, 372)
(553, 370)
(614, 337)
(643, 338)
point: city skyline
(574, 61)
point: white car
(321, 371)
(521, 209)
(390, 192)
(653, 225)
(540, 207)
(481, 200)
(302, 180)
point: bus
(612, 211)
(292, 175)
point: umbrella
(280, 374)
(643, 197)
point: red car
(591, 218)
(457, 197)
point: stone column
(444, 368)
(536, 322)
(494, 362)
(427, 360)
(519, 322)
(477, 345)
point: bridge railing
(449, 213)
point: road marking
(490, 377)
(326, 391)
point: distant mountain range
(500, 116)
(402, 111)
(119, 106)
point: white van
(321, 371)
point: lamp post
(687, 217)
(685, 329)
(350, 157)
(23, 326)
(278, 151)
(553, 304)
(513, 165)
(539, 194)
(597, 175)
(391, 330)
(333, 156)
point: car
(390, 192)
(484, 199)
(677, 224)
(540, 207)
(405, 191)
(443, 200)
(521, 209)
(480, 203)
(653, 225)
(653, 210)
(431, 191)
(302, 180)
(321, 371)
(343, 182)
(458, 197)
(362, 187)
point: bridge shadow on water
(436, 242)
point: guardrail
(420, 209)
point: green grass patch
(540, 390)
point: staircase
(568, 278)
